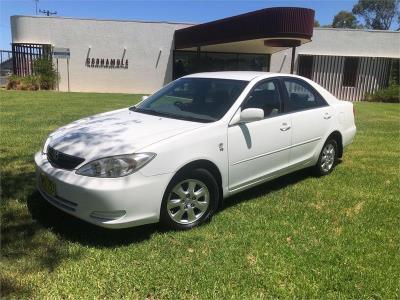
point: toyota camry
(173, 157)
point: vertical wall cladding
(372, 74)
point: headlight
(116, 166)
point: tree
(316, 23)
(45, 73)
(377, 14)
(398, 20)
(345, 19)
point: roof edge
(359, 29)
(102, 20)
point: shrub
(46, 73)
(45, 77)
(27, 83)
(31, 82)
(13, 82)
(388, 95)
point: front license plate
(48, 186)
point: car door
(259, 148)
(311, 118)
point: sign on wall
(106, 63)
(113, 63)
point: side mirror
(144, 97)
(251, 114)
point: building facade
(141, 57)
(348, 62)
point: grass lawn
(297, 236)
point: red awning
(290, 24)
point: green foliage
(345, 19)
(27, 83)
(394, 77)
(377, 14)
(316, 23)
(13, 82)
(30, 82)
(335, 237)
(45, 71)
(45, 77)
(387, 95)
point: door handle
(285, 127)
(327, 116)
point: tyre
(190, 199)
(327, 158)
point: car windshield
(193, 99)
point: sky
(191, 11)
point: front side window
(301, 96)
(266, 97)
(194, 99)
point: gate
(24, 55)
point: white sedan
(204, 137)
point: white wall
(342, 42)
(107, 39)
(144, 40)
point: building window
(306, 66)
(350, 69)
(188, 62)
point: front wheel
(190, 199)
(327, 158)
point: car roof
(238, 75)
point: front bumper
(108, 202)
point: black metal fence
(6, 66)
(24, 55)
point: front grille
(62, 160)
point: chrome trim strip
(275, 151)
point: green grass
(298, 236)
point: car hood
(117, 132)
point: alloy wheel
(328, 157)
(188, 201)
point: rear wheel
(327, 158)
(190, 199)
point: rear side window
(266, 97)
(301, 96)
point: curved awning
(263, 31)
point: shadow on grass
(10, 288)
(26, 242)
(44, 216)
(266, 188)
(270, 186)
(76, 230)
